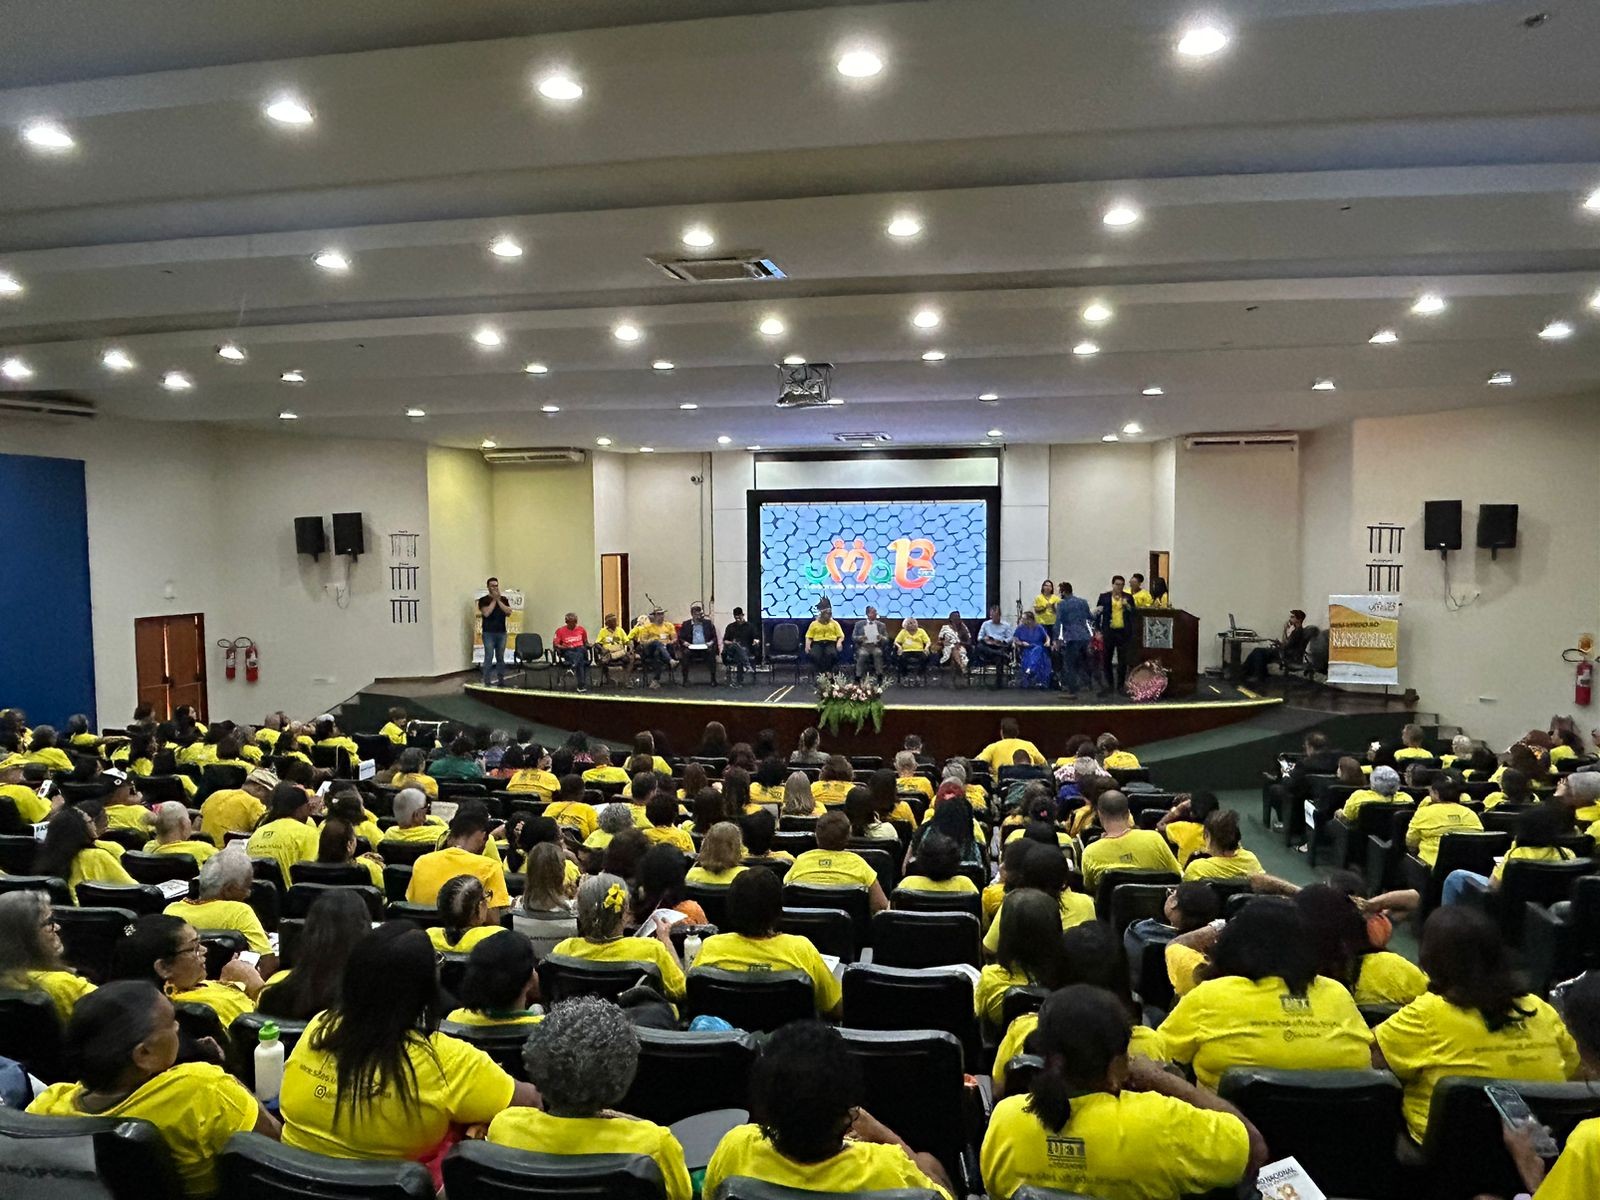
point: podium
(1171, 637)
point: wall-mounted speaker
(1441, 525)
(309, 536)
(1497, 527)
(347, 535)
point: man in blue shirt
(1072, 632)
(994, 643)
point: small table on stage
(1233, 645)
(1171, 637)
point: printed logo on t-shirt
(1296, 1006)
(1066, 1152)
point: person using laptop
(1289, 649)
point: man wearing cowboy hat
(654, 640)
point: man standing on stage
(572, 645)
(737, 639)
(493, 609)
(1116, 614)
(698, 643)
(1072, 630)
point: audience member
(544, 912)
(832, 864)
(753, 943)
(69, 850)
(809, 752)
(500, 986)
(1028, 951)
(166, 951)
(1223, 858)
(336, 921)
(1345, 953)
(30, 952)
(285, 833)
(222, 902)
(1440, 814)
(721, 856)
(1122, 845)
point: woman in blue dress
(1033, 661)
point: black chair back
(926, 939)
(562, 977)
(1341, 1125)
(1463, 1150)
(793, 841)
(462, 789)
(1111, 880)
(378, 748)
(1132, 902)
(881, 860)
(159, 868)
(255, 1167)
(131, 1160)
(718, 1061)
(1019, 1000)
(758, 1002)
(264, 903)
(31, 1033)
(425, 915)
(892, 998)
(89, 938)
(739, 1187)
(158, 789)
(300, 897)
(1467, 851)
(396, 880)
(937, 902)
(1527, 882)
(713, 901)
(395, 852)
(142, 898)
(60, 895)
(333, 874)
(849, 900)
(332, 758)
(503, 1043)
(218, 777)
(831, 931)
(245, 1032)
(487, 1172)
(915, 1079)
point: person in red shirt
(572, 646)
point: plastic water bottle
(269, 1064)
(691, 950)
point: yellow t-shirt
(1241, 864)
(705, 878)
(993, 895)
(95, 864)
(1121, 760)
(196, 1107)
(427, 784)
(1406, 752)
(994, 981)
(196, 754)
(958, 885)
(1188, 838)
(669, 835)
(1530, 854)
(780, 952)
(605, 774)
(223, 914)
(227, 1002)
(1431, 1038)
(251, 754)
(919, 784)
(1432, 821)
(1131, 1146)
(471, 1016)
(1119, 610)
(53, 757)
(1238, 1022)
(468, 940)
(31, 806)
(430, 873)
(393, 732)
(830, 792)
(1076, 908)
(1183, 966)
(532, 779)
(858, 1167)
(431, 832)
(1001, 753)
(1362, 797)
(1386, 978)
(1142, 1041)
(916, 641)
(1143, 599)
(456, 1084)
(646, 633)
(1577, 1172)
(1044, 608)
(832, 868)
(824, 631)
(574, 814)
(285, 840)
(64, 989)
(532, 1129)
(1136, 850)
(199, 851)
(630, 950)
(127, 816)
(611, 640)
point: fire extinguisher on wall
(230, 658)
(252, 662)
(1583, 674)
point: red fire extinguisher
(1583, 674)
(252, 662)
(230, 657)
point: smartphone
(1514, 1111)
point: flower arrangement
(842, 700)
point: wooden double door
(170, 661)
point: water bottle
(691, 950)
(269, 1064)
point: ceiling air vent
(46, 404)
(740, 268)
(1216, 441)
(870, 438)
(503, 458)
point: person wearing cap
(653, 641)
(461, 854)
(125, 807)
(738, 640)
(697, 641)
(237, 810)
(31, 806)
(611, 646)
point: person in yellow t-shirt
(42, 749)
(1041, 868)
(69, 850)
(832, 864)
(390, 983)
(661, 810)
(395, 728)
(535, 777)
(1345, 952)
(1112, 756)
(1383, 788)
(466, 922)
(237, 810)
(810, 1129)
(604, 910)
(753, 944)
(129, 1037)
(286, 833)
(936, 869)
(605, 769)
(1044, 608)
(1411, 739)
(653, 640)
(167, 951)
(1029, 952)
(721, 858)
(1122, 846)
(30, 952)
(1475, 1019)
(1539, 831)
(31, 806)
(224, 891)
(612, 647)
(461, 854)
(1184, 824)
(174, 834)
(907, 779)
(1135, 1131)
(582, 1058)
(410, 771)
(838, 777)
(1440, 814)
(1224, 857)
(1002, 752)
(1264, 1005)
(823, 638)
(912, 645)
(1138, 593)
(500, 987)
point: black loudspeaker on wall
(347, 535)
(1441, 524)
(309, 537)
(1497, 527)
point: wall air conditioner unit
(1232, 441)
(46, 404)
(533, 458)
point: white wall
(1100, 514)
(669, 526)
(1024, 525)
(732, 476)
(460, 535)
(1163, 493)
(544, 542)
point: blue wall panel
(46, 635)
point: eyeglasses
(198, 948)
(49, 923)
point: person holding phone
(494, 608)
(1576, 1174)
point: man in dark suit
(697, 638)
(1289, 793)
(1115, 617)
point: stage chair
(1463, 1154)
(830, 930)
(719, 1062)
(254, 1167)
(31, 1033)
(131, 1160)
(528, 654)
(926, 939)
(89, 938)
(481, 1171)
(896, 999)
(757, 1002)
(786, 646)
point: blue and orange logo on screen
(911, 566)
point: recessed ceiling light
(859, 64)
(331, 260)
(10, 285)
(1119, 215)
(723, 439)
(835, 400)
(994, 433)
(1384, 337)
(1555, 331)
(933, 356)
(626, 333)
(536, 368)
(560, 86)
(699, 237)
(1085, 349)
(1109, 437)
(292, 377)
(286, 415)
(15, 368)
(1202, 41)
(771, 327)
(1428, 304)
(688, 406)
(116, 359)
(1133, 429)
(1155, 389)
(487, 335)
(176, 381)
(505, 246)
(1323, 385)
(794, 360)
(988, 397)
(926, 318)
(47, 135)
(231, 352)
(416, 414)
(549, 408)
(1592, 201)
(289, 110)
(488, 444)
(647, 449)
(662, 364)
(602, 441)
(1096, 312)
(904, 226)
(1501, 379)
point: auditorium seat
(334, 874)
(1386, 851)
(882, 861)
(218, 777)
(893, 998)
(1020, 1072)
(970, 903)
(1111, 880)
(777, 866)
(377, 747)
(795, 841)
(503, 1043)
(561, 978)
(403, 910)
(713, 901)
(221, 947)
(333, 758)
(926, 939)
(297, 901)
(267, 870)
(254, 1167)
(398, 853)
(916, 1086)
(480, 1171)
(31, 1033)
(131, 1160)
(396, 880)
(1526, 882)
(158, 789)
(1560, 942)
(1463, 1154)
(243, 1034)
(830, 930)
(159, 868)
(717, 1061)
(1466, 851)
(849, 900)
(264, 902)
(740, 1188)
(1019, 1000)
(757, 1002)
(457, 790)
(57, 888)
(1347, 840)
(1341, 1125)
(1130, 902)
(89, 938)
(142, 898)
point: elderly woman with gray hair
(1382, 788)
(582, 1058)
(604, 913)
(411, 820)
(224, 892)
